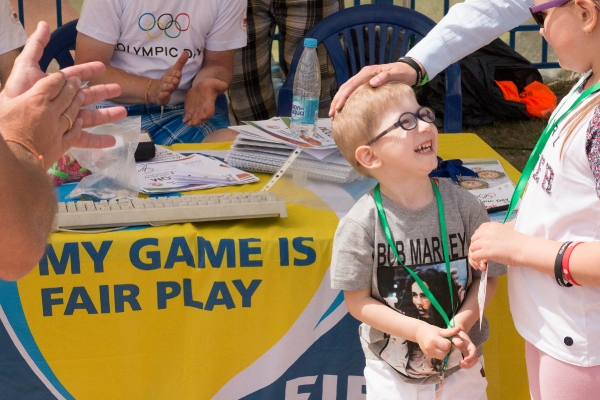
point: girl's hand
(433, 340)
(497, 242)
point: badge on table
(481, 295)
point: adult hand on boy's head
(376, 75)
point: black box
(145, 149)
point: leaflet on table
(327, 155)
(164, 154)
(492, 186)
(188, 173)
(278, 130)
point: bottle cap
(310, 43)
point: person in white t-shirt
(172, 60)
(12, 36)
(553, 248)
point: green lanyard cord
(444, 239)
(537, 150)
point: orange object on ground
(537, 97)
(509, 90)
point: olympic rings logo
(164, 22)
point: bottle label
(305, 110)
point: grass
(514, 140)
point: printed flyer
(492, 186)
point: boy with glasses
(409, 229)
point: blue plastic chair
(62, 41)
(355, 37)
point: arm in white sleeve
(467, 27)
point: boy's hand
(462, 341)
(433, 340)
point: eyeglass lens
(408, 121)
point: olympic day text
(156, 51)
(145, 255)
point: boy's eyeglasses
(408, 121)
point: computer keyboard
(167, 210)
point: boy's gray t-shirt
(362, 259)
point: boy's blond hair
(355, 124)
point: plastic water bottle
(306, 91)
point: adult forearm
(216, 71)
(28, 206)
(467, 27)
(133, 87)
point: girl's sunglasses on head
(539, 16)
(537, 11)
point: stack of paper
(173, 172)
(263, 146)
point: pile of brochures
(173, 172)
(264, 146)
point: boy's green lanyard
(444, 238)
(537, 150)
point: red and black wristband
(558, 270)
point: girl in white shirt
(553, 247)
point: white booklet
(176, 173)
(493, 186)
(278, 130)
